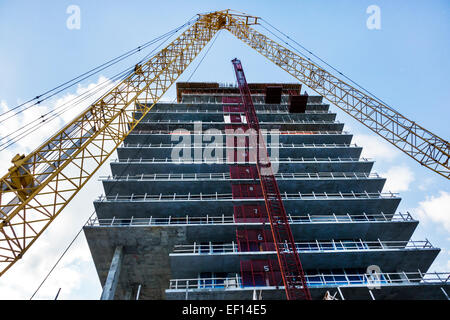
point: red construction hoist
(247, 193)
(289, 261)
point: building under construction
(185, 226)
(247, 191)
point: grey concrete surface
(148, 260)
(109, 289)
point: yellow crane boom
(39, 185)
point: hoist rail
(288, 258)
(39, 185)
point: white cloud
(76, 271)
(440, 265)
(425, 183)
(398, 178)
(30, 120)
(436, 209)
(374, 147)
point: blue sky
(405, 63)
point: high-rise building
(184, 217)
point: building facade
(183, 215)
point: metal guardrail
(223, 123)
(224, 160)
(221, 145)
(193, 110)
(229, 196)
(282, 132)
(321, 280)
(223, 220)
(227, 176)
(316, 246)
(200, 97)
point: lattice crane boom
(417, 142)
(39, 185)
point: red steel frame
(250, 240)
(288, 257)
(261, 273)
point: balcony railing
(228, 196)
(321, 280)
(313, 246)
(282, 132)
(227, 176)
(283, 121)
(230, 220)
(224, 160)
(258, 98)
(221, 145)
(192, 110)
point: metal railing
(231, 220)
(321, 280)
(222, 145)
(201, 97)
(149, 121)
(229, 196)
(311, 246)
(216, 99)
(227, 176)
(265, 110)
(224, 160)
(282, 132)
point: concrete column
(109, 289)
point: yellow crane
(39, 185)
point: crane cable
(92, 72)
(201, 60)
(204, 56)
(81, 229)
(135, 153)
(323, 61)
(61, 256)
(118, 76)
(90, 217)
(53, 115)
